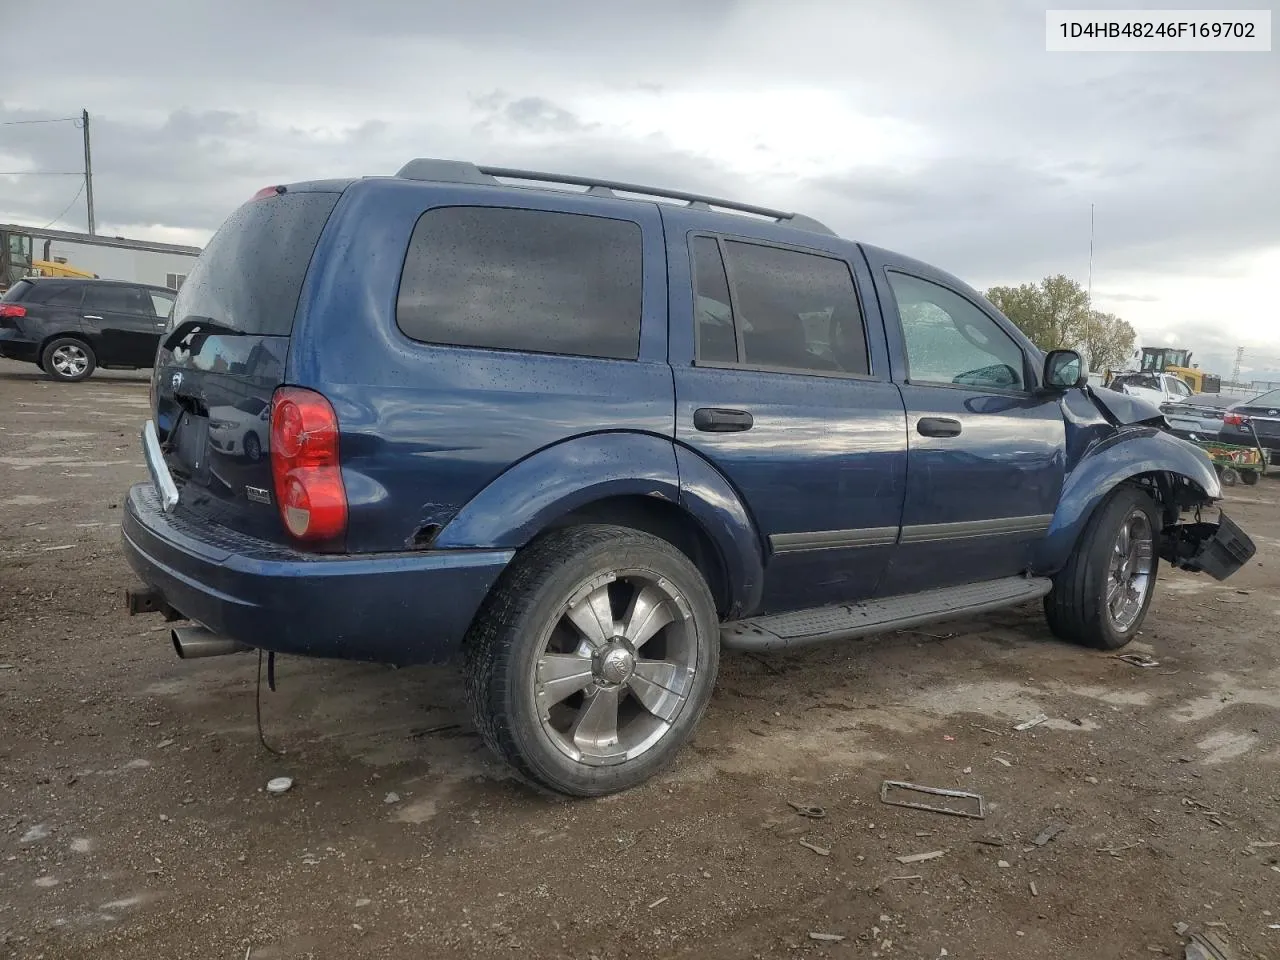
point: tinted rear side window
(250, 275)
(529, 280)
(115, 298)
(797, 311)
(66, 295)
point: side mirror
(1063, 370)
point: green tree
(1055, 315)
(1108, 341)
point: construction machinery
(1178, 362)
(17, 260)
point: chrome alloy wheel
(70, 360)
(1129, 577)
(616, 668)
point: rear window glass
(250, 275)
(17, 292)
(529, 280)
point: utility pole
(1088, 319)
(88, 170)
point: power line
(14, 123)
(42, 173)
(66, 208)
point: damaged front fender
(1130, 454)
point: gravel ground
(134, 821)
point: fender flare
(1127, 454)
(531, 495)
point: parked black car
(1260, 416)
(70, 327)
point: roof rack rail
(460, 171)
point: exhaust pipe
(191, 643)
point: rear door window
(530, 280)
(116, 298)
(792, 310)
(249, 277)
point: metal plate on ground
(957, 803)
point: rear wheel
(594, 658)
(1102, 595)
(68, 359)
(1249, 477)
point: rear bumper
(398, 608)
(14, 347)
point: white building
(111, 258)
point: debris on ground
(278, 785)
(826, 937)
(920, 857)
(1209, 946)
(811, 811)
(1003, 864)
(1181, 928)
(911, 876)
(1002, 761)
(1033, 722)
(1048, 833)
(974, 807)
(820, 851)
(391, 797)
(1137, 659)
(659, 902)
(1116, 851)
(990, 841)
(1035, 891)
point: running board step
(849, 620)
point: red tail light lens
(12, 310)
(1233, 420)
(305, 465)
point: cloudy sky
(941, 129)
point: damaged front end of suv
(1120, 438)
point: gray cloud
(204, 103)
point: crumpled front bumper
(1218, 549)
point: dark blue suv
(584, 433)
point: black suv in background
(70, 327)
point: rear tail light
(1233, 420)
(12, 310)
(305, 465)
(267, 192)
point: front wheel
(593, 659)
(1101, 596)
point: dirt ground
(134, 821)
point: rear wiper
(197, 326)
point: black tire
(58, 356)
(526, 612)
(1249, 477)
(252, 447)
(1077, 607)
